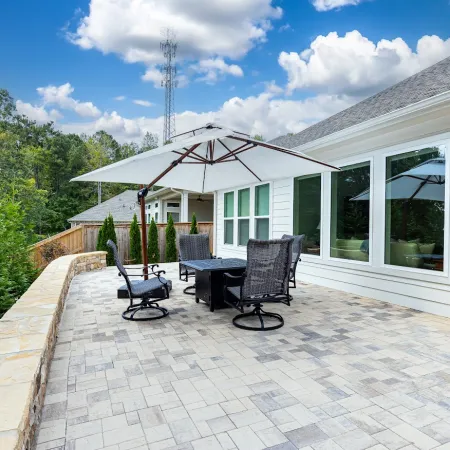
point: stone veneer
(28, 332)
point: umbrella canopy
(423, 182)
(204, 160)
(210, 159)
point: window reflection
(415, 209)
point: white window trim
(407, 148)
(310, 255)
(343, 165)
(252, 216)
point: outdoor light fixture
(142, 193)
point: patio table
(209, 278)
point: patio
(344, 372)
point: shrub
(194, 228)
(16, 268)
(153, 243)
(52, 251)
(171, 245)
(105, 233)
(135, 242)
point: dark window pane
(262, 229)
(262, 200)
(243, 231)
(229, 204)
(415, 205)
(307, 211)
(244, 203)
(350, 212)
(229, 231)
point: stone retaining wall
(27, 339)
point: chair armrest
(227, 276)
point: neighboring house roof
(122, 207)
(425, 84)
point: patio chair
(297, 247)
(192, 247)
(150, 291)
(265, 280)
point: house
(380, 226)
(159, 204)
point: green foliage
(100, 241)
(153, 243)
(135, 242)
(171, 245)
(16, 271)
(149, 142)
(194, 228)
(258, 137)
(106, 233)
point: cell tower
(169, 82)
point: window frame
(229, 219)
(408, 149)
(248, 217)
(342, 166)
(252, 217)
(268, 216)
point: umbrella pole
(144, 237)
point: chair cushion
(151, 287)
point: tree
(106, 233)
(194, 228)
(100, 239)
(153, 243)
(258, 137)
(171, 245)
(16, 271)
(135, 242)
(149, 142)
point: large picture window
(229, 217)
(307, 211)
(262, 210)
(415, 209)
(243, 216)
(350, 212)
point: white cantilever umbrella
(204, 160)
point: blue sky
(246, 67)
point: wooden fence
(72, 240)
(83, 238)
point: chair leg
(130, 312)
(189, 290)
(260, 313)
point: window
(307, 211)
(173, 205)
(262, 202)
(149, 218)
(175, 216)
(156, 217)
(229, 217)
(415, 205)
(350, 212)
(156, 205)
(244, 216)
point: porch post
(144, 235)
(184, 207)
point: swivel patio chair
(266, 280)
(150, 291)
(297, 247)
(192, 247)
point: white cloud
(153, 75)
(120, 98)
(145, 103)
(354, 65)
(214, 68)
(37, 113)
(262, 114)
(205, 29)
(327, 5)
(61, 96)
(285, 27)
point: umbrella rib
(190, 156)
(282, 150)
(173, 164)
(245, 165)
(421, 185)
(234, 152)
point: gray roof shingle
(122, 207)
(429, 82)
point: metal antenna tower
(169, 82)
